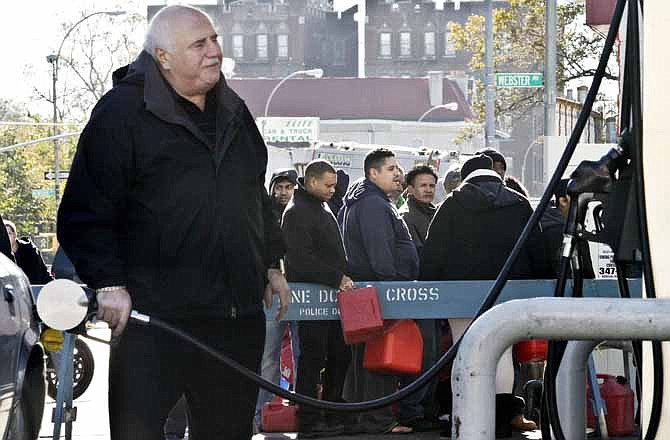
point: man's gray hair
(160, 33)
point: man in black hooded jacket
(166, 211)
(470, 238)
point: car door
(10, 340)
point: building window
(385, 45)
(261, 46)
(448, 45)
(282, 46)
(429, 44)
(405, 44)
(238, 46)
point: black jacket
(314, 250)
(417, 216)
(376, 239)
(5, 245)
(150, 204)
(29, 259)
(474, 231)
(553, 225)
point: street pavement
(92, 421)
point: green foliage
(22, 170)
(519, 47)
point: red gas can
(619, 399)
(360, 314)
(534, 350)
(398, 351)
(278, 416)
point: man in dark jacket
(165, 210)
(470, 238)
(553, 225)
(419, 210)
(282, 185)
(5, 246)
(379, 248)
(315, 254)
(27, 256)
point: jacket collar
(160, 99)
(480, 173)
(301, 193)
(426, 209)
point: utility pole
(550, 68)
(489, 110)
(362, 14)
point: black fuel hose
(634, 122)
(489, 300)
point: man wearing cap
(471, 236)
(499, 163)
(282, 185)
(281, 189)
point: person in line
(499, 162)
(418, 410)
(378, 248)
(281, 189)
(315, 254)
(452, 179)
(553, 226)
(470, 238)
(165, 211)
(27, 256)
(419, 210)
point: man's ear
(163, 58)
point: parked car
(22, 383)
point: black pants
(150, 370)
(321, 346)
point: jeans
(274, 333)
(149, 371)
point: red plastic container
(360, 314)
(619, 399)
(278, 416)
(534, 350)
(398, 351)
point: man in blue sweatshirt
(378, 248)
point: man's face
(322, 187)
(283, 191)
(11, 233)
(388, 177)
(195, 60)
(423, 188)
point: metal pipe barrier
(474, 370)
(571, 380)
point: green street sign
(518, 80)
(43, 193)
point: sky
(29, 31)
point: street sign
(519, 80)
(50, 175)
(43, 193)
(275, 129)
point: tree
(89, 56)
(519, 47)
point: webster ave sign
(515, 80)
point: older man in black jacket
(315, 254)
(165, 211)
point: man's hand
(347, 283)
(114, 308)
(277, 285)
